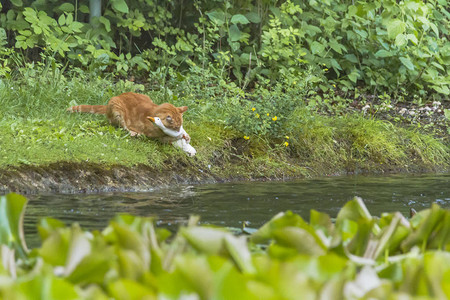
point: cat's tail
(93, 109)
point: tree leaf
(447, 113)
(120, 5)
(239, 19)
(317, 48)
(407, 63)
(395, 27)
(67, 7)
(62, 20)
(383, 53)
(235, 33)
(351, 58)
(217, 16)
(84, 9)
(253, 17)
(401, 40)
(17, 2)
(105, 22)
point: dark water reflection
(233, 203)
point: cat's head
(171, 116)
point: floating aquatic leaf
(48, 225)
(300, 239)
(206, 240)
(130, 290)
(422, 231)
(238, 250)
(12, 209)
(281, 220)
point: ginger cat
(131, 111)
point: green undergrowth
(265, 134)
(352, 256)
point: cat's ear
(182, 109)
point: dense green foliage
(384, 45)
(358, 256)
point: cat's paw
(187, 137)
(133, 133)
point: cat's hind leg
(116, 118)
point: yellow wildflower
(286, 144)
(253, 109)
(257, 115)
(274, 118)
(79, 54)
(268, 114)
(326, 70)
(246, 137)
(334, 85)
(286, 137)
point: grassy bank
(234, 136)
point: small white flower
(436, 103)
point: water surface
(231, 204)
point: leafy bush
(383, 45)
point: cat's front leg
(185, 135)
(188, 149)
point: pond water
(231, 204)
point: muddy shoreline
(72, 178)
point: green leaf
(105, 22)
(120, 6)
(44, 286)
(435, 29)
(67, 7)
(300, 239)
(237, 247)
(129, 289)
(217, 16)
(239, 19)
(47, 225)
(235, 33)
(424, 223)
(62, 20)
(12, 209)
(253, 17)
(447, 113)
(317, 48)
(354, 210)
(395, 27)
(384, 53)
(407, 63)
(84, 9)
(401, 40)
(206, 240)
(351, 58)
(412, 38)
(17, 2)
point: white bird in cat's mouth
(170, 132)
(181, 141)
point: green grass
(36, 129)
